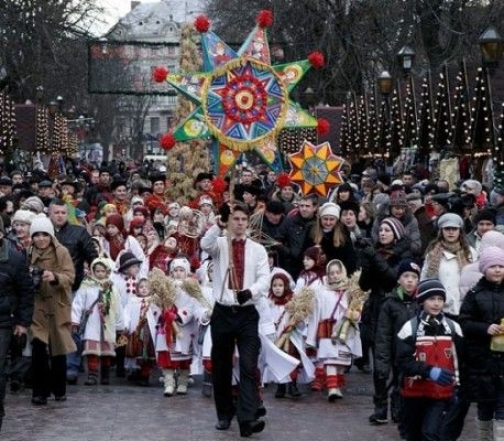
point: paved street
(122, 412)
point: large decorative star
(316, 168)
(242, 100)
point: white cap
(330, 209)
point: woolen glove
(441, 376)
(243, 296)
(224, 212)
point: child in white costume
(279, 295)
(97, 308)
(333, 355)
(175, 349)
(313, 273)
(140, 318)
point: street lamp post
(385, 86)
(492, 45)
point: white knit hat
(41, 224)
(180, 262)
(33, 203)
(330, 209)
(24, 216)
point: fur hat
(408, 265)
(398, 198)
(127, 260)
(450, 220)
(487, 214)
(330, 209)
(428, 288)
(489, 257)
(350, 206)
(23, 216)
(41, 224)
(395, 225)
(180, 262)
(33, 203)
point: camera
(36, 273)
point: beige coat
(53, 302)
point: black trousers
(49, 373)
(232, 326)
(422, 418)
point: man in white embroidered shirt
(241, 275)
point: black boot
(105, 375)
(92, 379)
(292, 390)
(379, 416)
(280, 392)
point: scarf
(284, 299)
(436, 254)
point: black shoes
(60, 398)
(39, 401)
(379, 416)
(223, 424)
(292, 390)
(281, 390)
(247, 428)
(72, 380)
(261, 411)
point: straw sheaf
(193, 288)
(162, 289)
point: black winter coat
(379, 274)
(482, 368)
(394, 313)
(16, 294)
(292, 234)
(78, 242)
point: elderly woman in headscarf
(53, 275)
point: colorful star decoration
(242, 100)
(316, 168)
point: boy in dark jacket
(427, 348)
(481, 318)
(397, 308)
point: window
(154, 125)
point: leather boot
(169, 382)
(292, 389)
(105, 375)
(92, 379)
(281, 389)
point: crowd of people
(252, 282)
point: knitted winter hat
(408, 265)
(115, 219)
(491, 238)
(450, 220)
(141, 209)
(41, 224)
(428, 288)
(33, 203)
(330, 209)
(24, 216)
(395, 225)
(491, 256)
(398, 198)
(181, 262)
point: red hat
(117, 220)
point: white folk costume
(140, 318)
(333, 354)
(293, 346)
(97, 309)
(176, 329)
